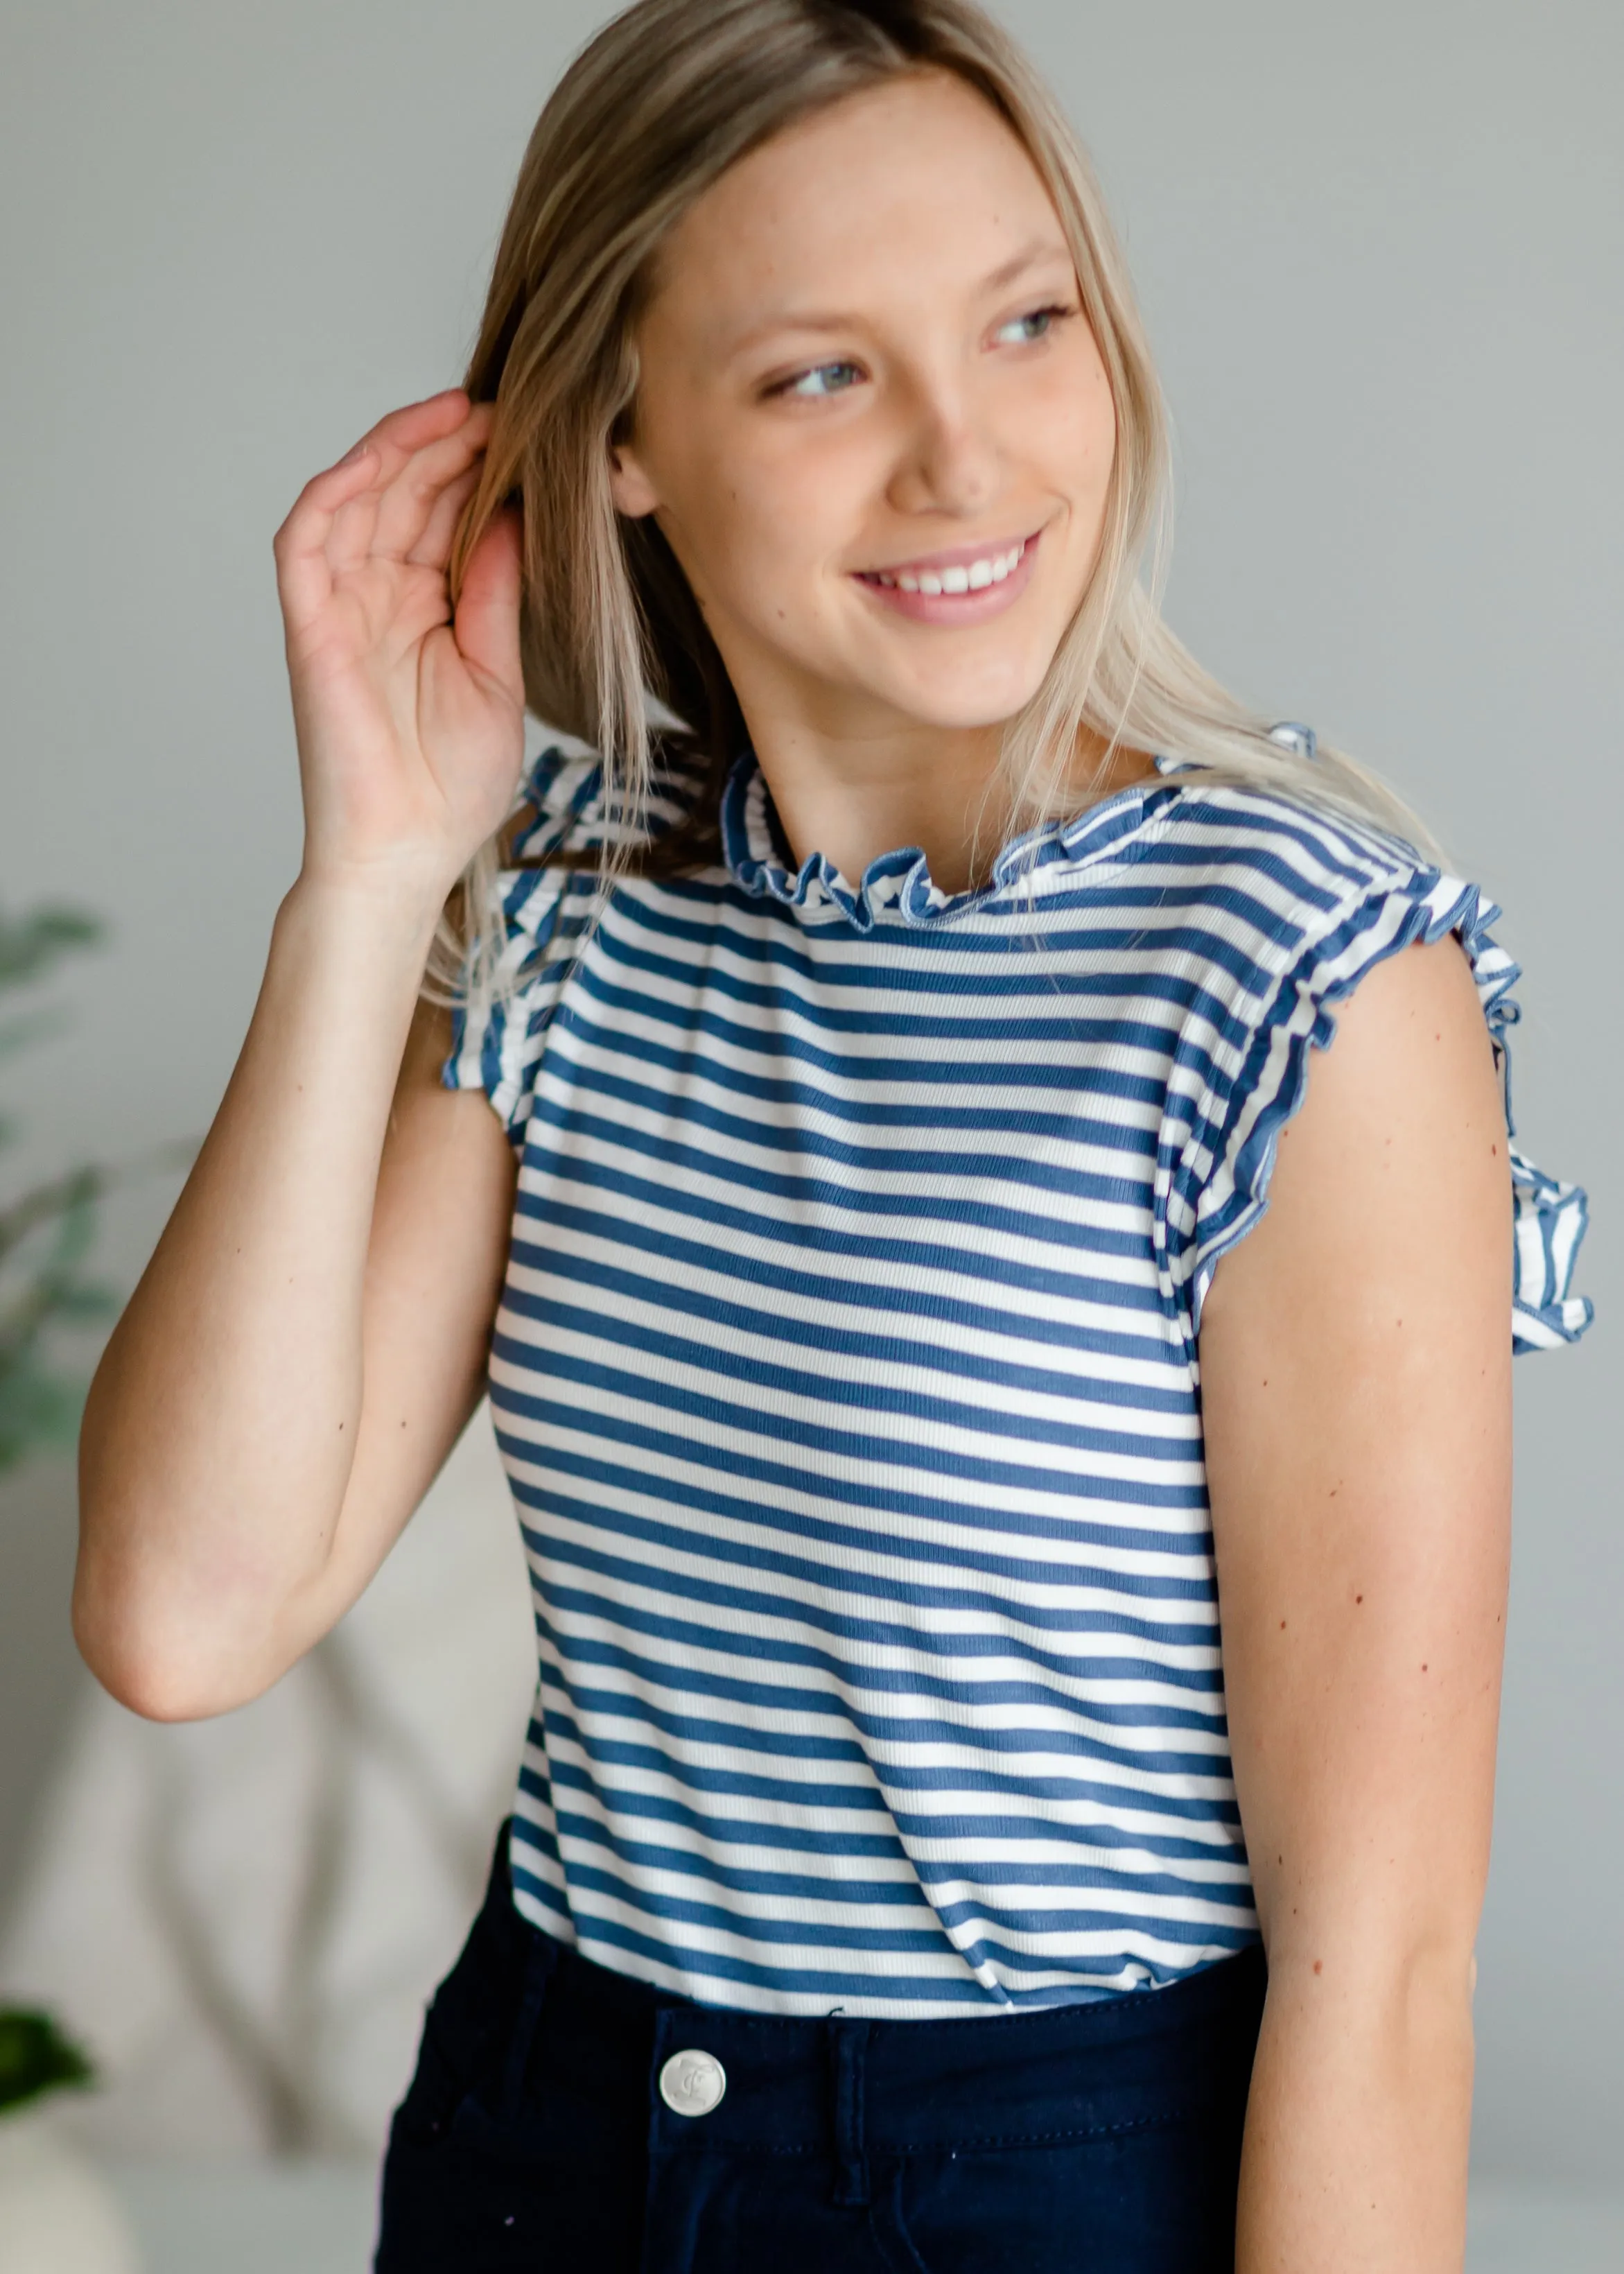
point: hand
(410, 717)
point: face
(872, 421)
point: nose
(948, 457)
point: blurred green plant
(46, 1293)
(45, 1232)
(35, 2057)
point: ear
(633, 493)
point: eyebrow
(1034, 255)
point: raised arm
(308, 1339)
(1355, 1362)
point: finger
(387, 522)
(389, 443)
(398, 435)
(303, 571)
(487, 625)
(412, 424)
(433, 549)
(349, 540)
(409, 498)
(333, 522)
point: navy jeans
(1099, 2139)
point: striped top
(846, 1376)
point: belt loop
(848, 2048)
(539, 1960)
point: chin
(979, 699)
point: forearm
(222, 1423)
(1358, 2125)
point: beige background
(1380, 248)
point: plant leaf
(37, 1409)
(35, 2057)
(30, 945)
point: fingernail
(359, 451)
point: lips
(959, 585)
(973, 574)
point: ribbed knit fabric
(846, 1376)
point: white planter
(57, 2214)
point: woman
(996, 1153)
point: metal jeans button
(692, 2083)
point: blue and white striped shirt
(847, 1376)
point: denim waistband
(846, 2087)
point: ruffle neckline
(898, 886)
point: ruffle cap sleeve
(498, 1032)
(1233, 1155)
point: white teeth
(975, 578)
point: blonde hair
(659, 104)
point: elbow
(157, 1663)
(1409, 1993)
(1438, 1983)
(153, 1692)
(155, 1682)
(174, 1617)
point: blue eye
(824, 379)
(1036, 324)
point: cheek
(762, 525)
(1084, 431)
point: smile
(963, 576)
(960, 586)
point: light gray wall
(1380, 248)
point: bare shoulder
(1397, 1162)
(1412, 1030)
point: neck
(854, 799)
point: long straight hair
(658, 105)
